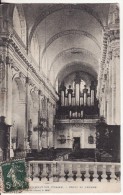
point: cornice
(102, 63)
(9, 39)
(111, 48)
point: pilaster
(110, 61)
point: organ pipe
(77, 93)
(92, 92)
(77, 88)
(63, 89)
(81, 101)
(66, 100)
(85, 95)
(92, 97)
(77, 101)
(62, 98)
(69, 99)
(70, 91)
(88, 100)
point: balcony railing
(62, 117)
(59, 171)
(77, 112)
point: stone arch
(55, 8)
(66, 32)
(74, 66)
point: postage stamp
(14, 176)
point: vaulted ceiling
(69, 36)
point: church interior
(59, 82)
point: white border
(121, 62)
(61, 1)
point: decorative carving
(22, 77)
(102, 64)
(2, 69)
(114, 34)
(116, 52)
(15, 72)
(113, 14)
(105, 76)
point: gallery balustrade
(59, 171)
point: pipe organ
(78, 102)
(80, 98)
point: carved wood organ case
(78, 100)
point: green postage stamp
(14, 176)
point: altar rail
(59, 171)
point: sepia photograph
(60, 111)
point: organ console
(77, 102)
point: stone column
(48, 122)
(9, 98)
(108, 110)
(110, 91)
(104, 101)
(21, 141)
(117, 87)
(51, 119)
(114, 43)
(39, 116)
(27, 115)
(113, 90)
(9, 92)
(3, 80)
(101, 106)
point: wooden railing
(59, 171)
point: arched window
(19, 22)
